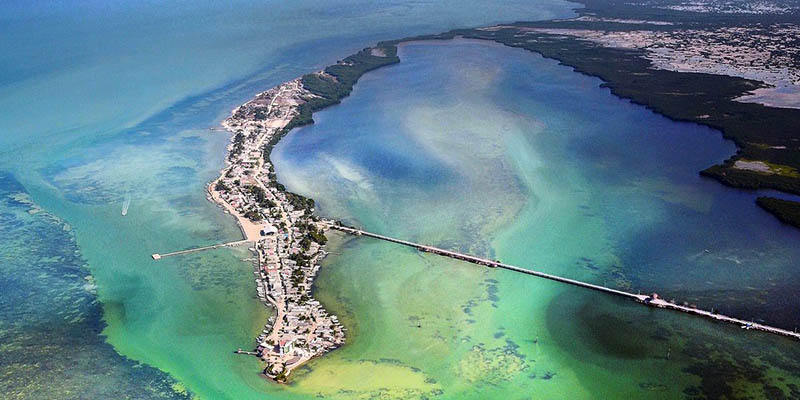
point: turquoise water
(498, 152)
(103, 99)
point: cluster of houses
(290, 240)
(762, 52)
(302, 329)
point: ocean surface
(106, 99)
(477, 147)
(498, 152)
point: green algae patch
(367, 379)
(179, 388)
(491, 366)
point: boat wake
(125, 204)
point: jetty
(648, 300)
(157, 256)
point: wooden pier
(648, 300)
(157, 256)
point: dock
(158, 256)
(647, 300)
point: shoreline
(287, 239)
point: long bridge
(648, 300)
(157, 256)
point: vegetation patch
(786, 211)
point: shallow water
(498, 152)
(103, 99)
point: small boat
(126, 204)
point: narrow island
(611, 40)
(288, 239)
